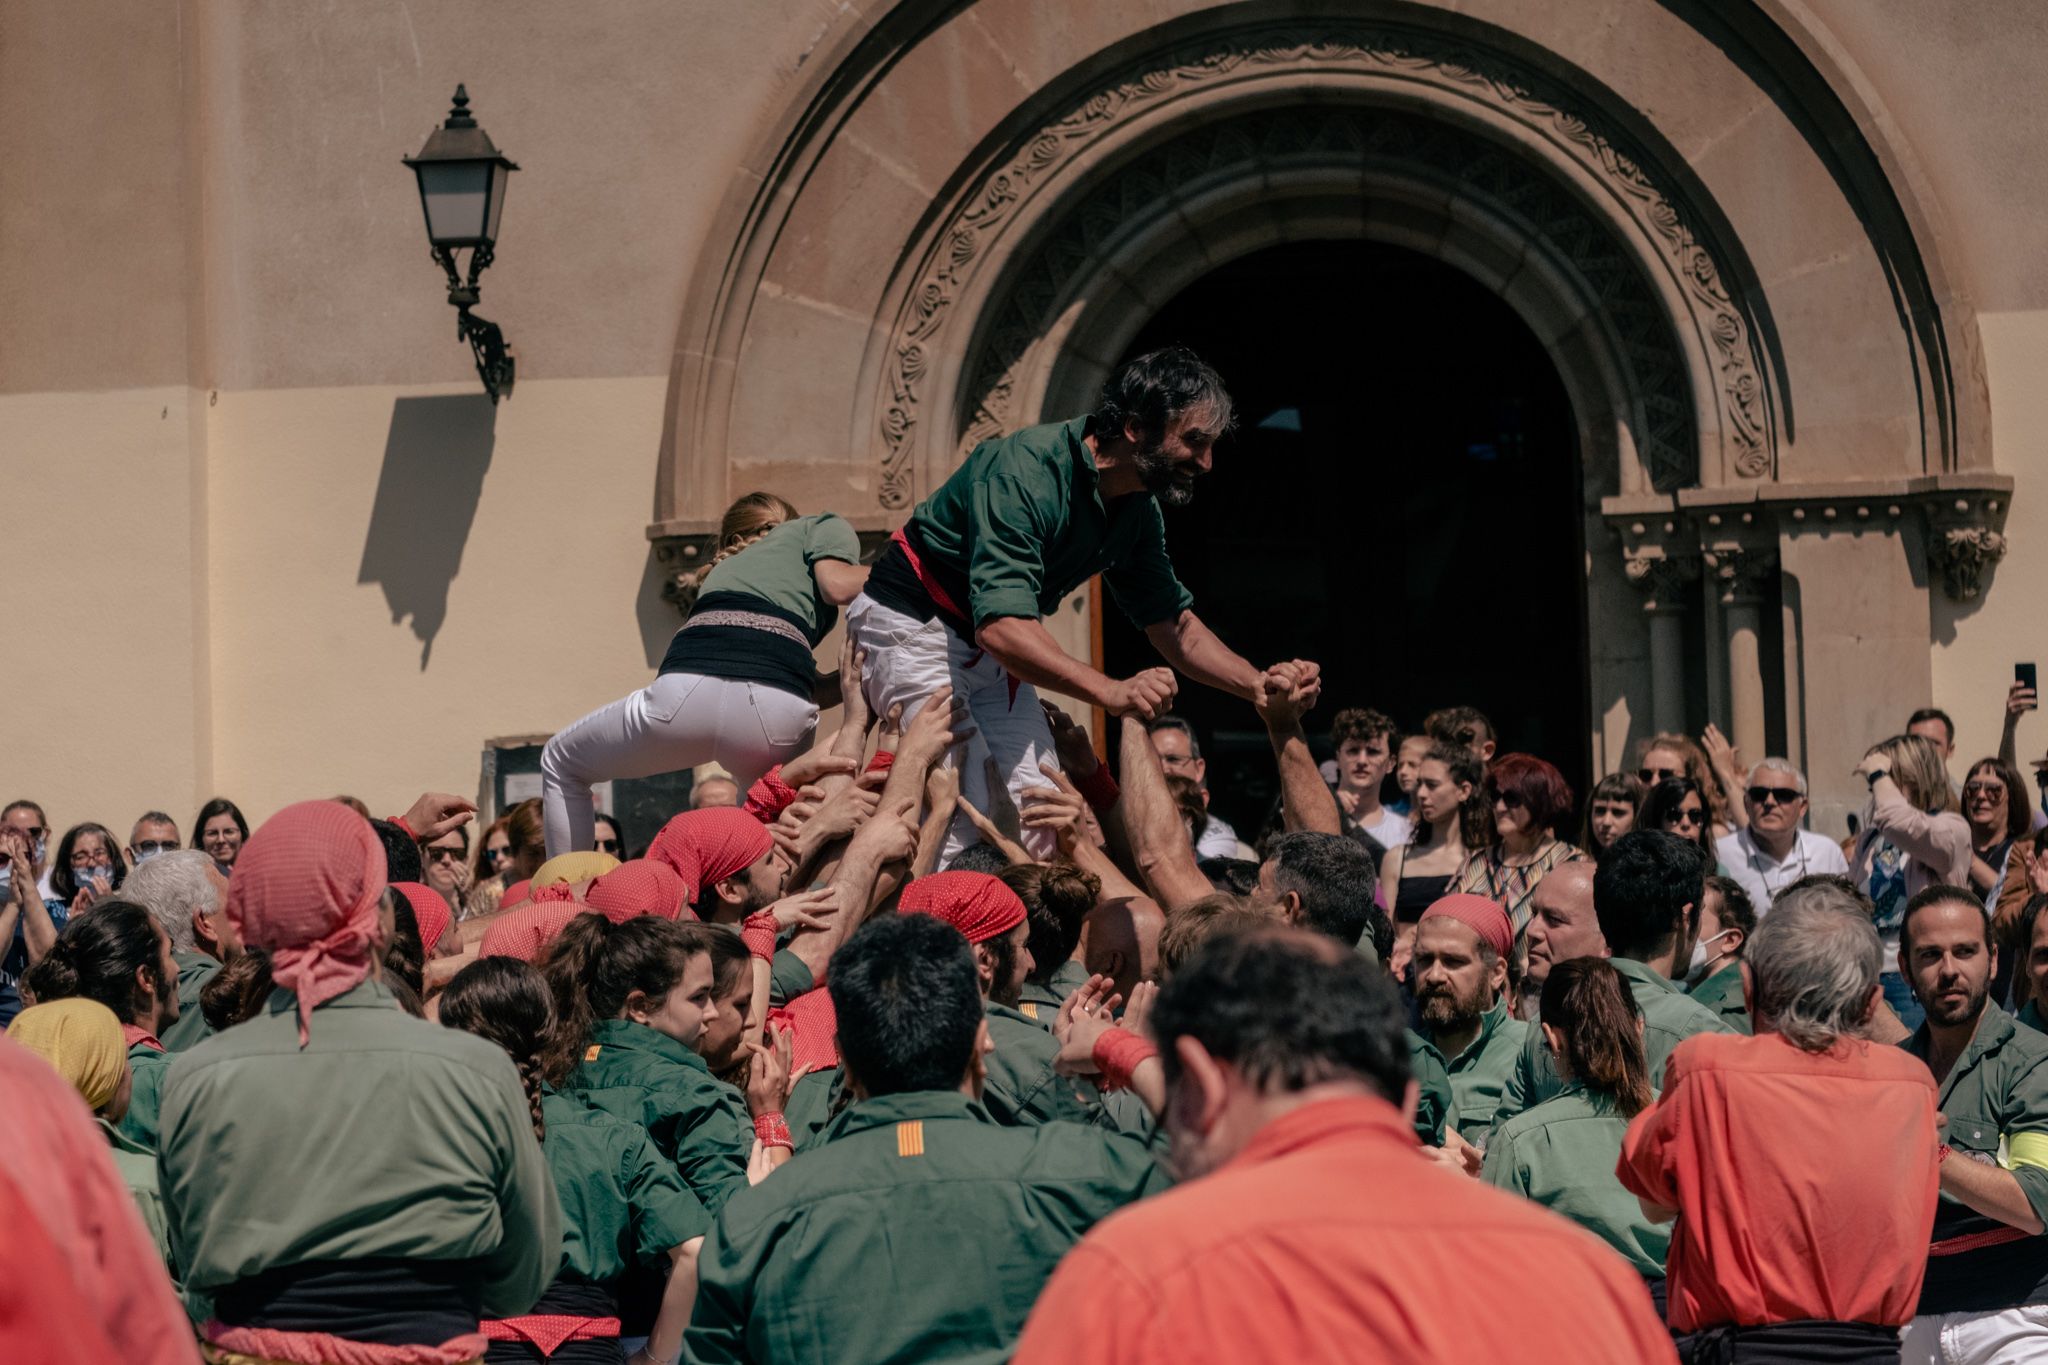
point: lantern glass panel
(456, 198)
(501, 175)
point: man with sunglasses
(154, 833)
(1774, 851)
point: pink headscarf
(1482, 916)
(306, 887)
(429, 909)
(706, 846)
(640, 887)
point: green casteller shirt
(1562, 1154)
(1996, 1101)
(194, 971)
(777, 568)
(622, 1202)
(1481, 1071)
(696, 1120)
(1435, 1109)
(919, 1229)
(148, 1066)
(385, 1136)
(815, 1101)
(137, 1166)
(2030, 1015)
(1669, 1018)
(788, 977)
(1024, 523)
(1722, 993)
(1023, 1086)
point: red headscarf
(514, 894)
(640, 887)
(814, 1029)
(1482, 916)
(429, 909)
(306, 887)
(975, 903)
(706, 846)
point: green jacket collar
(911, 1105)
(367, 994)
(121, 1142)
(2030, 1015)
(1489, 1024)
(1994, 1029)
(996, 1011)
(1641, 976)
(628, 1036)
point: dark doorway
(1400, 502)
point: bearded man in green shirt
(1460, 973)
(961, 594)
(917, 1228)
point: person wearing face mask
(1286, 1093)
(1727, 919)
(974, 1215)
(154, 834)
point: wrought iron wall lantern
(462, 193)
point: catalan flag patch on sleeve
(1029, 1009)
(910, 1138)
(590, 1053)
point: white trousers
(908, 660)
(2012, 1336)
(677, 721)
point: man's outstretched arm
(1026, 650)
(1196, 651)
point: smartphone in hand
(2025, 676)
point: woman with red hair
(1530, 800)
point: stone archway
(953, 225)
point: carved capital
(1741, 574)
(1963, 554)
(1666, 581)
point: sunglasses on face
(1656, 775)
(1684, 817)
(1510, 799)
(445, 855)
(1991, 789)
(150, 846)
(610, 846)
(1784, 796)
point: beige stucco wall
(216, 308)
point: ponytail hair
(746, 521)
(1586, 1000)
(594, 966)
(505, 1001)
(1057, 898)
(97, 957)
(237, 991)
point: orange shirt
(1805, 1183)
(1331, 1238)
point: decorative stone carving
(1665, 580)
(1741, 573)
(1574, 124)
(1964, 554)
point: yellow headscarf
(573, 867)
(82, 1039)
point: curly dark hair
(1156, 388)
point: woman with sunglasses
(1772, 851)
(1677, 805)
(611, 837)
(1667, 756)
(2002, 843)
(1529, 799)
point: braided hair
(504, 1001)
(746, 521)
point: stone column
(1665, 583)
(1739, 578)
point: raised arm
(1159, 841)
(2019, 699)
(1286, 693)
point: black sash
(1792, 1343)
(388, 1302)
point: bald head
(1562, 923)
(1120, 940)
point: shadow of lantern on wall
(462, 178)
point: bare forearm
(1991, 1191)
(1159, 841)
(1148, 1083)
(931, 839)
(1026, 650)
(665, 1341)
(1195, 651)
(1306, 802)
(38, 930)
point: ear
(1134, 432)
(977, 1060)
(1553, 1039)
(1290, 907)
(731, 890)
(984, 966)
(1204, 1080)
(202, 932)
(1498, 977)
(635, 1007)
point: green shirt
(1480, 1072)
(1435, 1109)
(1562, 1153)
(622, 1202)
(2030, 1015)
(919, 1229)
(815, 1101)
(1023, 1086)
(1997, 1090)
(194, 971)
(385, 1136)
(1669, 1018)
(1722, 993)
(696, 1120)
(145, 1099)
(137, 1165)
(788, 977)
(1023, 521)
(777, 568)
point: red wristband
(769, 797)
(882, 760)
(1098, 789)
(1118, 1053)
(758, 932)
(773, 1131)
(399, 820)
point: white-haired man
(185, 893)
(1775, 851)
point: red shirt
(1805, 1183)
(1330, 1237)
(55, 1156)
